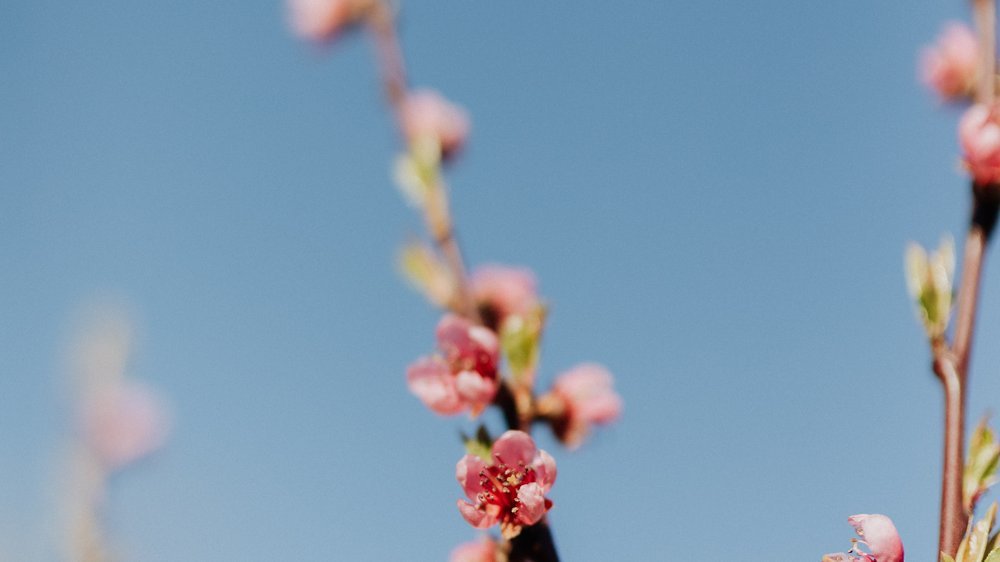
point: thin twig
(954, 518)
(437, 215)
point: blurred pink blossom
(979, 135)
(475, 551)
(464, 376)
(950, 65)
(587, 397)
(323, 20)
(502, 291)
(877, 533)
(511, 489)
(124, 421)
(428, 115)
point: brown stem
(984, 13)
(954, 518)
(952, 367)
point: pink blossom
(464, 375)
(950, 65)
(582, 397)
(323, 20)
(877, 533)
(123, 422)
(475, 551)
(511, 489)
(428, 115)
(502, 291)
(979, 135)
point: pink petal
(467, 473)
(545, 470)
(515, 448)
(880, 535)
(478, 518)
(431, 381)
(466, 346)
(475, 389)
(531, 506)
(474, 551)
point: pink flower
(877, 533)
(511, 489)
(582, 397)
(979, 135)
(464, 376)
(427, 115)
(323, 20)
(475, 551)
(950, 65)
(123, 422)
(502, 291)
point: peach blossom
(323, 20)
(123, 422)
(502, 291)
(877, 533)
(464, 375)
(509, 490)
(950, 65)
(584, 396)
(979, 135)
(428, 115)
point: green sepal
(480, 444)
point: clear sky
(715, 196)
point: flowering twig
(437, 215)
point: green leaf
(994, 556)
(973, 547)
(946, 558)
(520, 339)
(480, 445)
(981, 465)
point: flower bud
(929, 279)
(950, 66)
(324, 20)
(427, 116)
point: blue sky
(715, 196)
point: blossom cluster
(487, 343)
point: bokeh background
(715, 196)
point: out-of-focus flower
(929, 280)
(464, 376)
(427, 116)
(502, 291)
(979, 135)
(950, 65)
(323, 20)
(580, 398)
(124, 421)
(509, 490)
(476, 551)
(877, 533)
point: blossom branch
(437, 215)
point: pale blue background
(715, 195)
